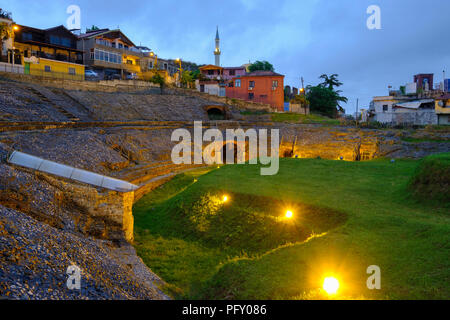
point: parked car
(113, 76)
(132, 76)
(90, 75)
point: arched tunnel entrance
(229, 149)
(216, 112)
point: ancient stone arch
(217, 112)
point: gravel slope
(34, 258)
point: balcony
(57, 57)
(131, 52)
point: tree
(331, 81)
(261, 66)
(324, 100)
(5, 34)
(187, 78)
(299, 99)
(158, 79)
(5, 15)
(93, 28)
(287, 93)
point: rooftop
(263, 73)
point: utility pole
(302, 88)
(356, 116)
(443, 88)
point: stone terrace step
(60, 109)
(142, 177)
(157, 181)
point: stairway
(60, 109)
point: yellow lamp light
(15, 28)
(289, 214)
(225, 199)
(330, 285)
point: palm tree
(330, 81)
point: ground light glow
(225, 199)
(289, 214)
(330, 285)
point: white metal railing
(9, 67)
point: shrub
(432, 179)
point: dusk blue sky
(300, 38)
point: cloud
(301, 38)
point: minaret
(217, 50)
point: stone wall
(102, 86)
(416, 117)
(24, 101)
(68, 205)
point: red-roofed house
(259, 86)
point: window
(252, 84)
(232, 72)
(47, 69)
(72, 71)
(251, 95)
(237, 83)
(275, 84)
(66, 42)
(385, 108)
(55, 39)
(106, 56)
(211, 72)
(27, 36)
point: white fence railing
(8, 67)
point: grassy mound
(431, 180)
(244, 249)
(243, 224)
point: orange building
(259, 86)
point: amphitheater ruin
(119, 132)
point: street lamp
(155, 65)
(16, 28)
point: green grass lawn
(301, 118)
(347, 216)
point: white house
(401, 109)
